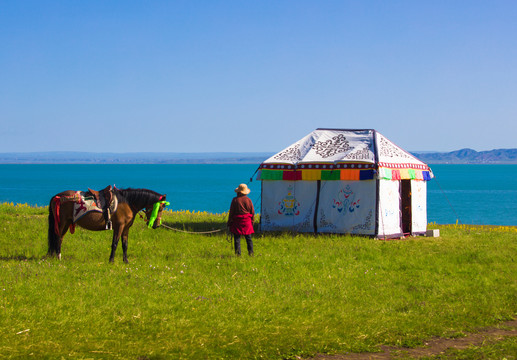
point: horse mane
(140, 198)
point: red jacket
(241, 216)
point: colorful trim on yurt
(404, 174)
(310, 172)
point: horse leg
(124, 247)
(63, 228)
(117, 231)
(125, 236)
(56, 231)
(53, 237)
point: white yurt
(347, 182)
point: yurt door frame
(405, 207)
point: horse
(130, 203)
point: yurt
(344, 181)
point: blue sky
(255, 76)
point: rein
(228, 234)
(192, 232)
(154, 217)
(183, 231)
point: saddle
(104, 198)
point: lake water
(476, 194)
(472, 194)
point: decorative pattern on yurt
(344, 181)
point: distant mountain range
(463, 156)
(469, 156)
(64, 157)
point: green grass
(187, 296)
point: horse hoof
(59, 256)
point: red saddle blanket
(84, 203)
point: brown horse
(130, 202)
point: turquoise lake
(471, 194)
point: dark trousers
(237, 243)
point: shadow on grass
(219, 228)
(209, 228)
(201, 228)
(21, 258)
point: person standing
(240, 219)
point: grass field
(187, 296)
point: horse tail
(53, 229)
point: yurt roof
(341, 146)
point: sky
(255, 76)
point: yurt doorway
(405, 206)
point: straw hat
(243, 189)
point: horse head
(153, 214)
